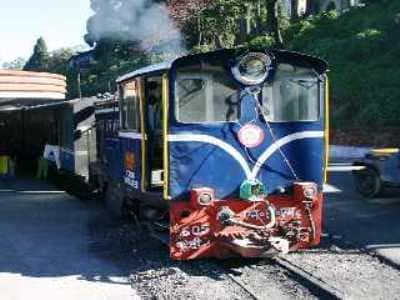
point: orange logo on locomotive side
(129, 161)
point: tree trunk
(219, 41)
(294, 6)
(273, 22)
(248, 18)
(259, 21)
(245, 25)
(311, 8)
(199, 32)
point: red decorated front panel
(234, 227)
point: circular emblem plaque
(251, 135)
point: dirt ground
(45, 247)
(56, 246)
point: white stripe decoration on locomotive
(251, 174)
(130, 135)
(208, 139)
(281, 142)
(106, 110)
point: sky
(62, 23)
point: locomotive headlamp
(310, 191)
(205, 198)
(252, 68)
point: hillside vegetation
(362, 48)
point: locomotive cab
(231, 145)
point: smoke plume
(142, 21)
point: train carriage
(230, 147)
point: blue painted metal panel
(67, 160)
(113, 159)
(211, 155)
(195, 164)
(131, 162)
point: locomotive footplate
(235, 227)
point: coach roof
(149, 69)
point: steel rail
(164, 240)
(314, 284)
(244, 287)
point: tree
(58, 60)
(294, 9)
(40, 58)
(182, 10)
(16, 64)
(229, 23)
(273, 22)
(218, 24)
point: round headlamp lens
(252, 68)
(205, 199)
(310, 192)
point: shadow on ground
(358, 221)
(45, 232)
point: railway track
(237, 271)
(315, 284)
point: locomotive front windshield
(205, 94)
(208, 93)
(293, 96)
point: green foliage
(115, 33)
(111, 60)
(17, 64)
(58, 60)
(262, 41)
(230, 23)
(40, 58)
(362, 48)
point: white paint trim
(85, 127)
(81, 153)
(74, 153)
(250, 174)
(216, 142)
(280, 143)
(130, 135)
(349, 168)
(106, 110)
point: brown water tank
(31, 85)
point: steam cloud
(143, 21)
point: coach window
(130, 105)
(293, 96)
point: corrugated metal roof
(149, 69)
(31, 85)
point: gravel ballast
(155, 276)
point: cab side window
(130, 105)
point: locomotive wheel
(368, 182)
